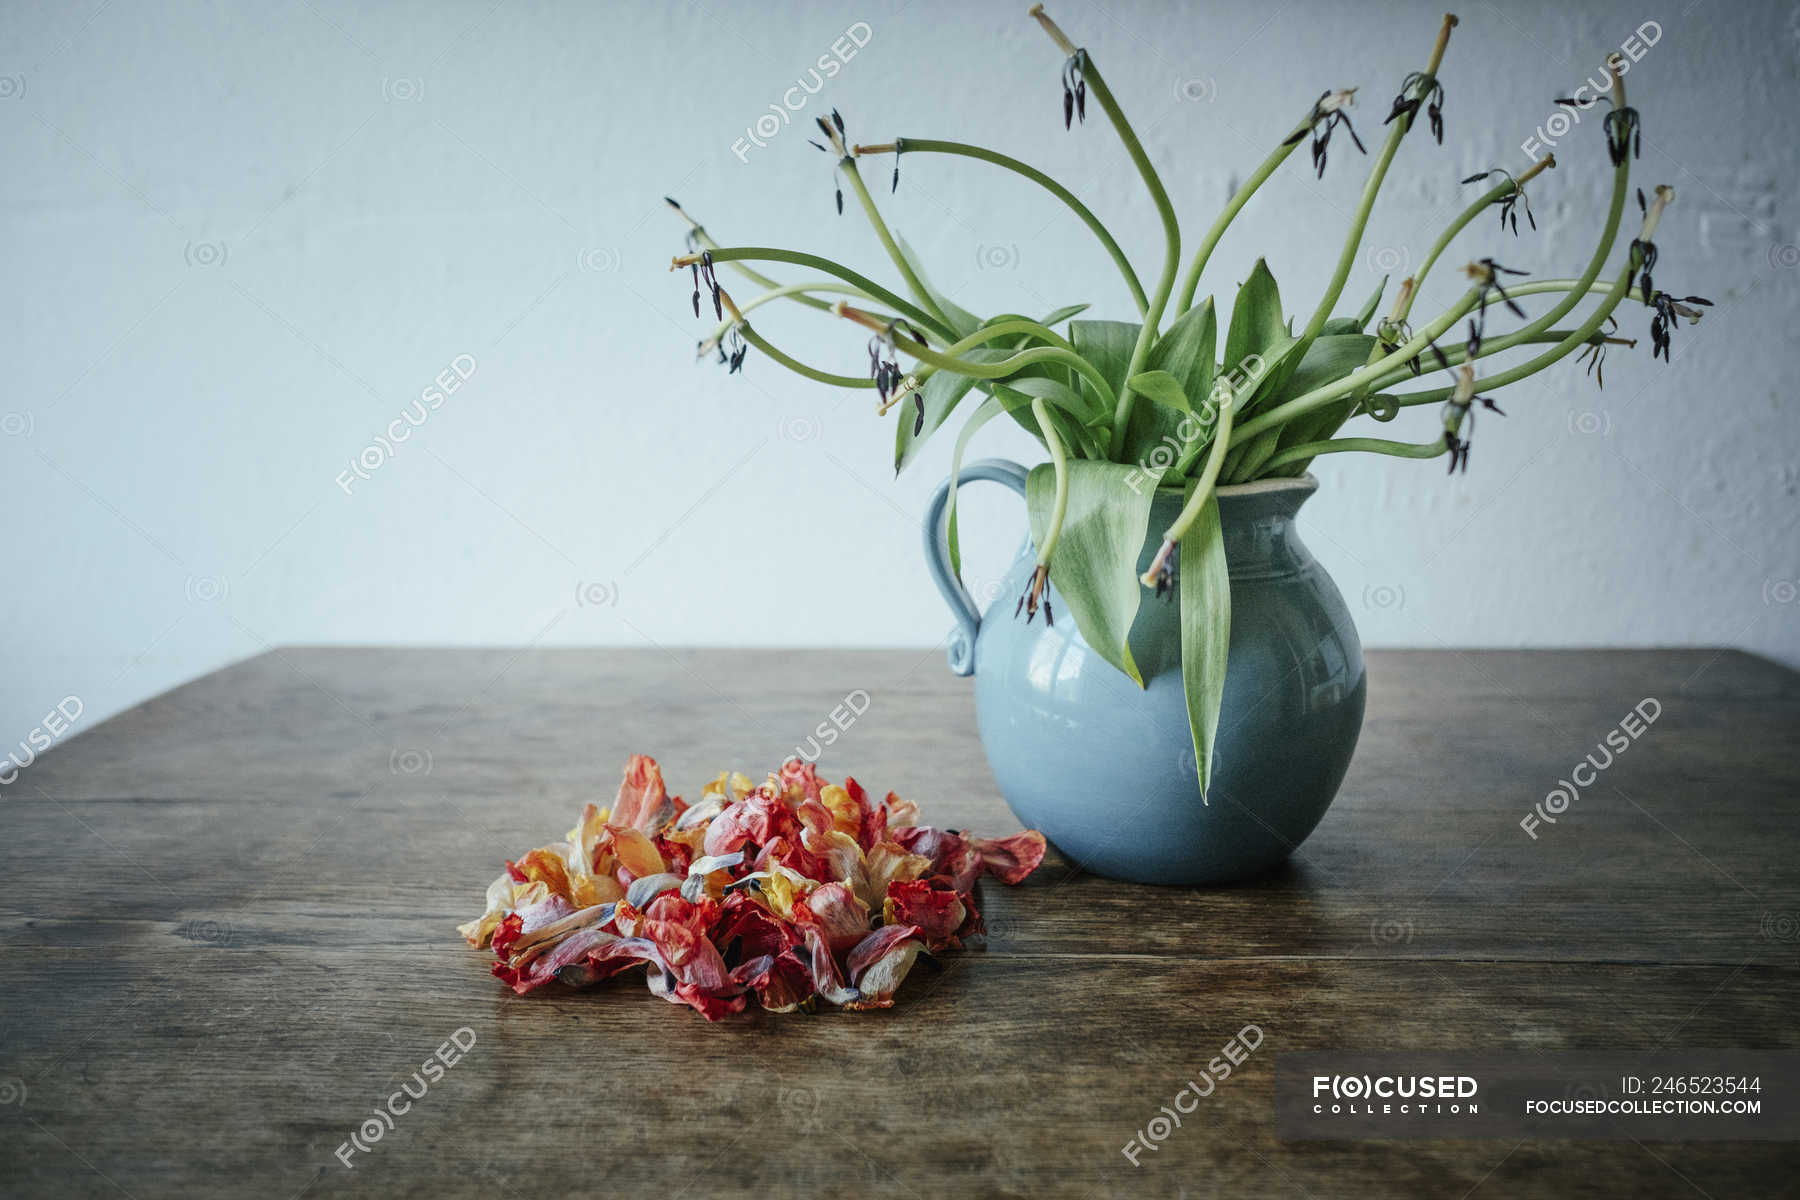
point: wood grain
(227, 920)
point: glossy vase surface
(1106, 769)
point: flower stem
(790, 291)
(1191, 282)
(1059, 460)
(1578, 337)
(947, 361)
(1377, 174)
(1171, 227)
(1492, 196)
(868, 287)
(705, 241)
(1550, 337)
(847, 165)
(1311, 450)
(981, 153)
(1602, 250)
(1203, 487)
(796, 366)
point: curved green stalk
(994, 157)
(1171, 253)
(869, 288)
(1158, 194)
(1577, 338)
(847, 165)
(1460, 354)
(1309, 450)
(796, 366)
(1353, 241)
(1203, 487)
(1581, 335)
(705, 241)
(1597, 263)
(1191, 282)
(1059, 459)
(1007, 366)
(1535, 286)
(1492, 196)
(1010, 325)
(789, 291)
(1377, 174)
(987, 333)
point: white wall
(240, 238)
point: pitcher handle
(961, 651)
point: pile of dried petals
(787, 891)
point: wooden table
(229, 914)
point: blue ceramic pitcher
(1106, 769)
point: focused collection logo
(1400, 1095)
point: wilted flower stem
(788, 291)
(994, 157)
(1191, 281)
(1360, 219)
(934, 326)
(699, 238)
(1165, 283)
(1489, 198)
(1059, 461)
(1060, 352)
(1203, 486)
(1602, 249)
(847, 165)
(1258, 442)
(1580, 336)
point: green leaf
(1095, 566)
(1367, 311)
(961, 320)
(1257, 323)
(1078, 419)
(1327, 360)
(1185, 350)
(1107, 345)
(1269, 372)
(1161, 387)
(1205, 589)
(1159, 436)
(1062, 314)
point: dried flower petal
(788, 892)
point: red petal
(937, 914)
(511, 926)
(834, 911)
(643, 803)
(1010, 859)
(827, 980)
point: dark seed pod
(1624, 137)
